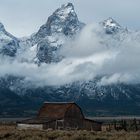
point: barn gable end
(57, 110)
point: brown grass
(11, 133)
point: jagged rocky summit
(51, 36)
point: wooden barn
(60, 115)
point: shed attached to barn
(60, 115)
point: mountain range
(21, 98)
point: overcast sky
(23, 17)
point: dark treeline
(127, 125)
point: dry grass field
(11, 133)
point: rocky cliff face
(60, 26)
(8, 43)
(111, 26)
(63, 21)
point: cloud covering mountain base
(92, 53)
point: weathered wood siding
(73, 118)
(50, 125)
(91, 125)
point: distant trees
(124, 125)
(127, 125)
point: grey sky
(23, 17)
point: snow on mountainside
(111, 26)
(44, 46)
(8, 43)
(61, 25)
(63, 21)
(51, 36)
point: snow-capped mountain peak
(65, 10)
(63, 24)
(111, 22)
(70, 5)
(111, 26)
(63, 21)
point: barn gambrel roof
(55, 110)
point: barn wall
(57, 124)
(73, 123)
(74, 112)
(30, 126)
(73, 118)
(49, 125)
(91, 125)
(96, 126)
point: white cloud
(91, 54)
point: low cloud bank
(92, 53)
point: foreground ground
(11, 133)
